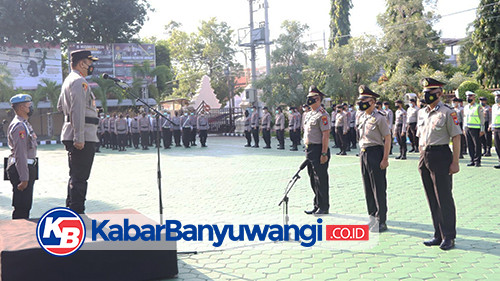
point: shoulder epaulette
(382, 113)
(448, 106)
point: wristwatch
(324, 154)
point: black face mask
(310, 101)
(363, 105)
(430, 97)
(470, 100)
(90, 69)
(31, 110)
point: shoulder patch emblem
(85, 86)
(455, 118)
(324, 119)
(22, 134)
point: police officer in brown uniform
(279, 125)
(341, 129)
(176, 127)
(144, 128)
(21, 167)
(375, 144)
(134, 130)
(79, 132)
(266, 127)
(437, 124)
(166, 130)
(248, 129)
(202, 124)
(121, 131)
(400, 129)
(254, 123)
(316, 139)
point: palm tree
(50, 92)
(106, 87)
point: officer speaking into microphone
(316, 137)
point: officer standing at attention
(177, 128)
(316, 139)
(254, 122)
(121, 131)
(341, 129)
(332, 130)
(21, 166)
(202, 124)
(374, 143)
(291, 128)
(186, 129)
(279, 125)
(166, 130)
(266, 127)
(194, 130)
(145, 128)
(390, 120)
(474, 128)
(495, 124)
(79, 131)
(298, 126)
(486, 140)
(248, 129)
(437, 124)
(411, 120)
(400, 129)
(112, 132)
(460, 114)
(134, 130)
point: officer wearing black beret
(437, 124)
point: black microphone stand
(285, 198)
(124, 86)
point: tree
(208, 51)
(106, 89)
(340, 27)
(486, 42)
(50, 92)
(408, 33)
(5, 84)
(285, 83)
(466, 58)
(30, 21)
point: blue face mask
(185, 114)
(192, 113)
(384, 107)
(277, 112)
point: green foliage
(467, 86)
(5, 84)
(466, 58)
(408, 33)
(340, 27)
(54, 21)
(49, 92)
(487, 94)
(486, 42)
(285, 82)
(106, 89)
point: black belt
(375, 147)
(88, 120)
(436, 147)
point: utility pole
(252, 54)
(267, 43)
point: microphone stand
(124, 86)
(285, 198)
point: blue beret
(20, 98)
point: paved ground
(227, 178)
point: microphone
(303, 165)
(107, 76)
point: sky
(314, 13)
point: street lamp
(229, 88)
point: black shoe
(248, 145)
(194, 144)
(417, 151)
(321, 212)
(399, 157)
(357, 154)
(403, 158)
(338, 153)
(487, 154)
(382, 227)
(343, 153)
(433, 242)
(146, 148)
(255, 146)
(497, 166)
(281, 148)
(266, 147)
(461, 157)
(390, 152)
(478, 165)
(348, 149)
(412, 150)
(311, 211)
(294, 149)
(167, 147)
(471, 164)
(447, 244)
(353, 147)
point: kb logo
(60, 232)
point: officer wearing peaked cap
(495, 124)
(79, 132)
(375, 144)
(474, 128)
(22, 165)
(437, 124)
(316, 138)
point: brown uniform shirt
(316, 121)
(437, 126)
(372, 129)
(22, 144)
